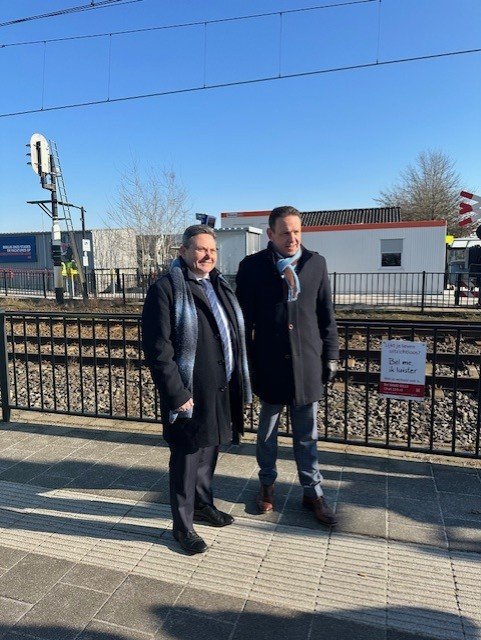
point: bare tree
(155, 206)
(427, 190)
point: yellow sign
(449, 239)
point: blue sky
(327, 141)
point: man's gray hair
(196, 230)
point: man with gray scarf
(194, 344)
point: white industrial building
(369, 241)
(234, 244)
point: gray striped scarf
(186, 331)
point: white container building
(371, 242)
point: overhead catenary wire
(316, 72)
(99, 4)
(377, 62)
(197, 23)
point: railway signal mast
(45, 163)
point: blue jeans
(304, 432)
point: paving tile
(19, 473)
(425, 621)
(11, 611)
(103, 631)
(458, 482)
(414, 487)
(140, 604)
(365, 461)
(92, 577)
(326, 627)
(157, 494)
(264, 622)
(194, 627)
(396, 634)
(373, 498)
(462, 507)
(304, 519)
(408, 510)
(371, 521)
(32, 577)
(363, 481)
(429, 535)
(9, 557)
(62, 613)
(137, 479)
(409, 467)
(51, 481)
(463, 535)
(222, 607)
(250, 510)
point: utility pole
(56, 237)
(85, 257)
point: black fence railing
(92, 365)
(421, 290)
(27, 283)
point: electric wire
(301, 74)
(200, 23)
(101, 4)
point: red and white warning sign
(403, 370)
(469, 212)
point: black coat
(218, 406)
(287, 341)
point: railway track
(347, 376)
(373, 355)
(104, 341)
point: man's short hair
(282, 212)
(196, 230)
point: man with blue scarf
(293, 348)
(194, 343)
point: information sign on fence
(403, 370)
(18, 249)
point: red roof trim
(244, 214)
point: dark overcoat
(218, 408)
(287, 341)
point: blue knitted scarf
(289, 263)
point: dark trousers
(190, 483)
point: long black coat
(218, 406)
(287, 341)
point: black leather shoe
(212, 516)
(190, 542)
(322, 510)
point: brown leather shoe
(322, 510)
(265, 498)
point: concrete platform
(86, 550)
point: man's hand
(186, 406)
(329, 371)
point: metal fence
(420, 290)
(92, 365)
(423, 290)
(122, 284)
